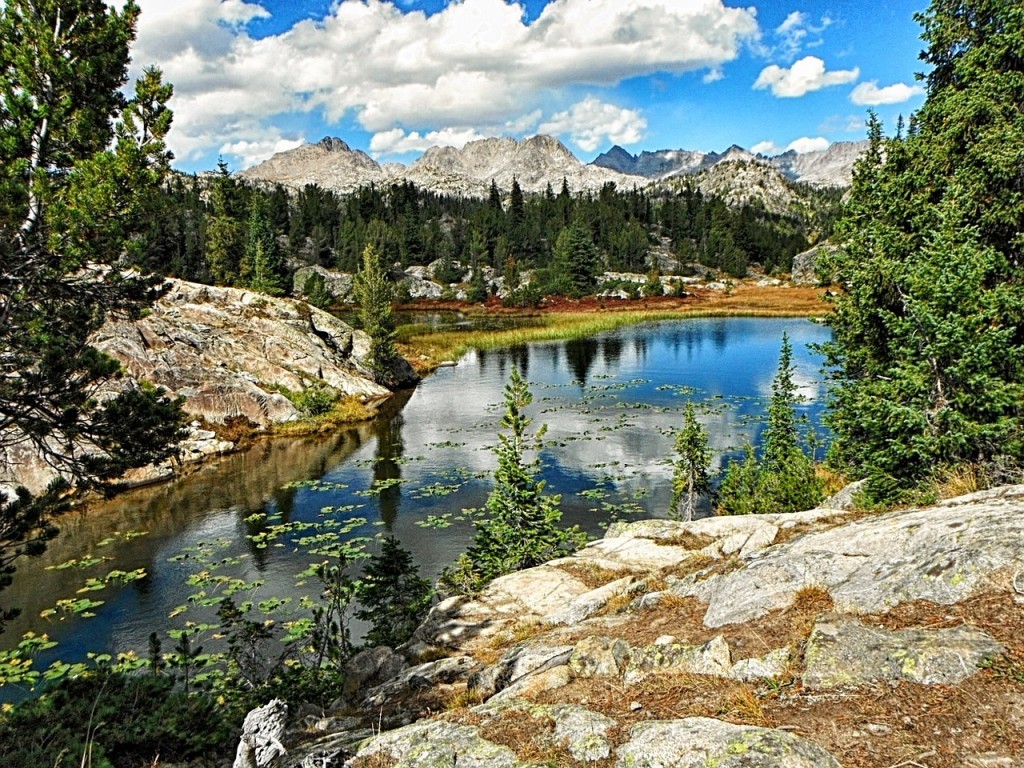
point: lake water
(611, 402)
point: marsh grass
(427, 348)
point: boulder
(518, 662)
(599, 657)
(229, 353)
(432, 743)
(262, 730)
(711, 658)
(943, 554)
(371, 667)
(586, 605)
(844, 652)
(421, 677)
(698, 742)
(338, 284)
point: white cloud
(797, 32)
(806, 75)
(250, 153)
(807, 144)
(397, 141)
(800, 146)
(870, 95)
(768, 148)
(475, 63)
(590, 123)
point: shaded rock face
(807, 266)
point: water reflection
(611, 403)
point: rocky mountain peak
(333, 144)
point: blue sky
(392, 78)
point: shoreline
(558, 319)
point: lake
(611, 403)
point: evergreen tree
(928, 340)
(261, 268)
(740, 491)
(373, 292)
(576, 261)
(691, 478)
(393, 596)
(223, 229)
(79, 163)
(784, 480)
(521, 528)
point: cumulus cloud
(800, 146)
(806, 75)
(474, 63)
(251, 153)
(397, 141)
(870, 95)
(768, 148)
(590, 123)
(807, 144)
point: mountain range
(542, 161)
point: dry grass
(572, 319)
(686, 540)
(347, 410)
(958, 481)
(382, 759)
(591, 574)
(464, 699)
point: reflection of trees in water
(390, 446)
(580, 355)
(641, 346)
(481, 360)
(720, 334)
(553, 352)
(520, 357)
(611, 351)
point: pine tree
(576, 260)
(374, 291)
(928, 340)
(223, 230)
(691, 478)
(79, 165)
(785, 479)
(261, 268)
(522, 524)
(393, 596)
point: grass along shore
(567, 319)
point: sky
(393, 78)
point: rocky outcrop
(230, 354)
(858, 635)
(807, 266)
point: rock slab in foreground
(942, 554)
(699, 742)
(846, 652)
